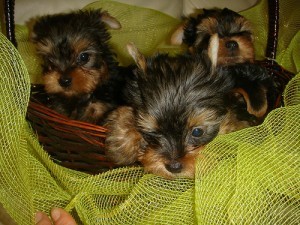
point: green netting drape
(247, 177)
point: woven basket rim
(54, 116)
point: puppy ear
(213, 50)
(137, 56)
(110, 21)
(31, 23)
(177, 36)
(256, 103)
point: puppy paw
(123, 141)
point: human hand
(58, 217)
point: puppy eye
(83, 57)
(197, 132)
(143, 145)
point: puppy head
(75, 51)
(179, 107)
(251, 99)
(226, 35)
(240, 112)
(230, 50)
(171, 148)
(255, 84)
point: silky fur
(232, 42)
(74, 48)
(168, 98)
(255, 85)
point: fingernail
(55, 214)
(38, 217)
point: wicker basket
(73, 144)
(79, 145)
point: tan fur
(258, 113)
(111, 21)
(93, 112)
(77, 60)
(51, 82)
(155, 163)
(244, 53)
(123, 141)
(137, 56)
(83, 81)
(147, 122)
(207, 117)
(213, 50)
(217, 51)
(245, 24)
(45, 47)
(125, 145)
(208, 25)
(231, 123)
(80, 45)
(177, 36)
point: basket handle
(9, 9)
(273, 28)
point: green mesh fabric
(247, 177)
(150, 30)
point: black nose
(65, 81)
(231, 45)
(174, 167)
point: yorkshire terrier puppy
(252, 97)
(79, 66)
(178, 105)
(226, 37)
(222, 29)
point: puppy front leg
(93, 112)
(123, 141)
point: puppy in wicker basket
(178, 105)
(221, 29)
(79, 67)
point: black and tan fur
(178, 105)
(79, 66)
(218, 29)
